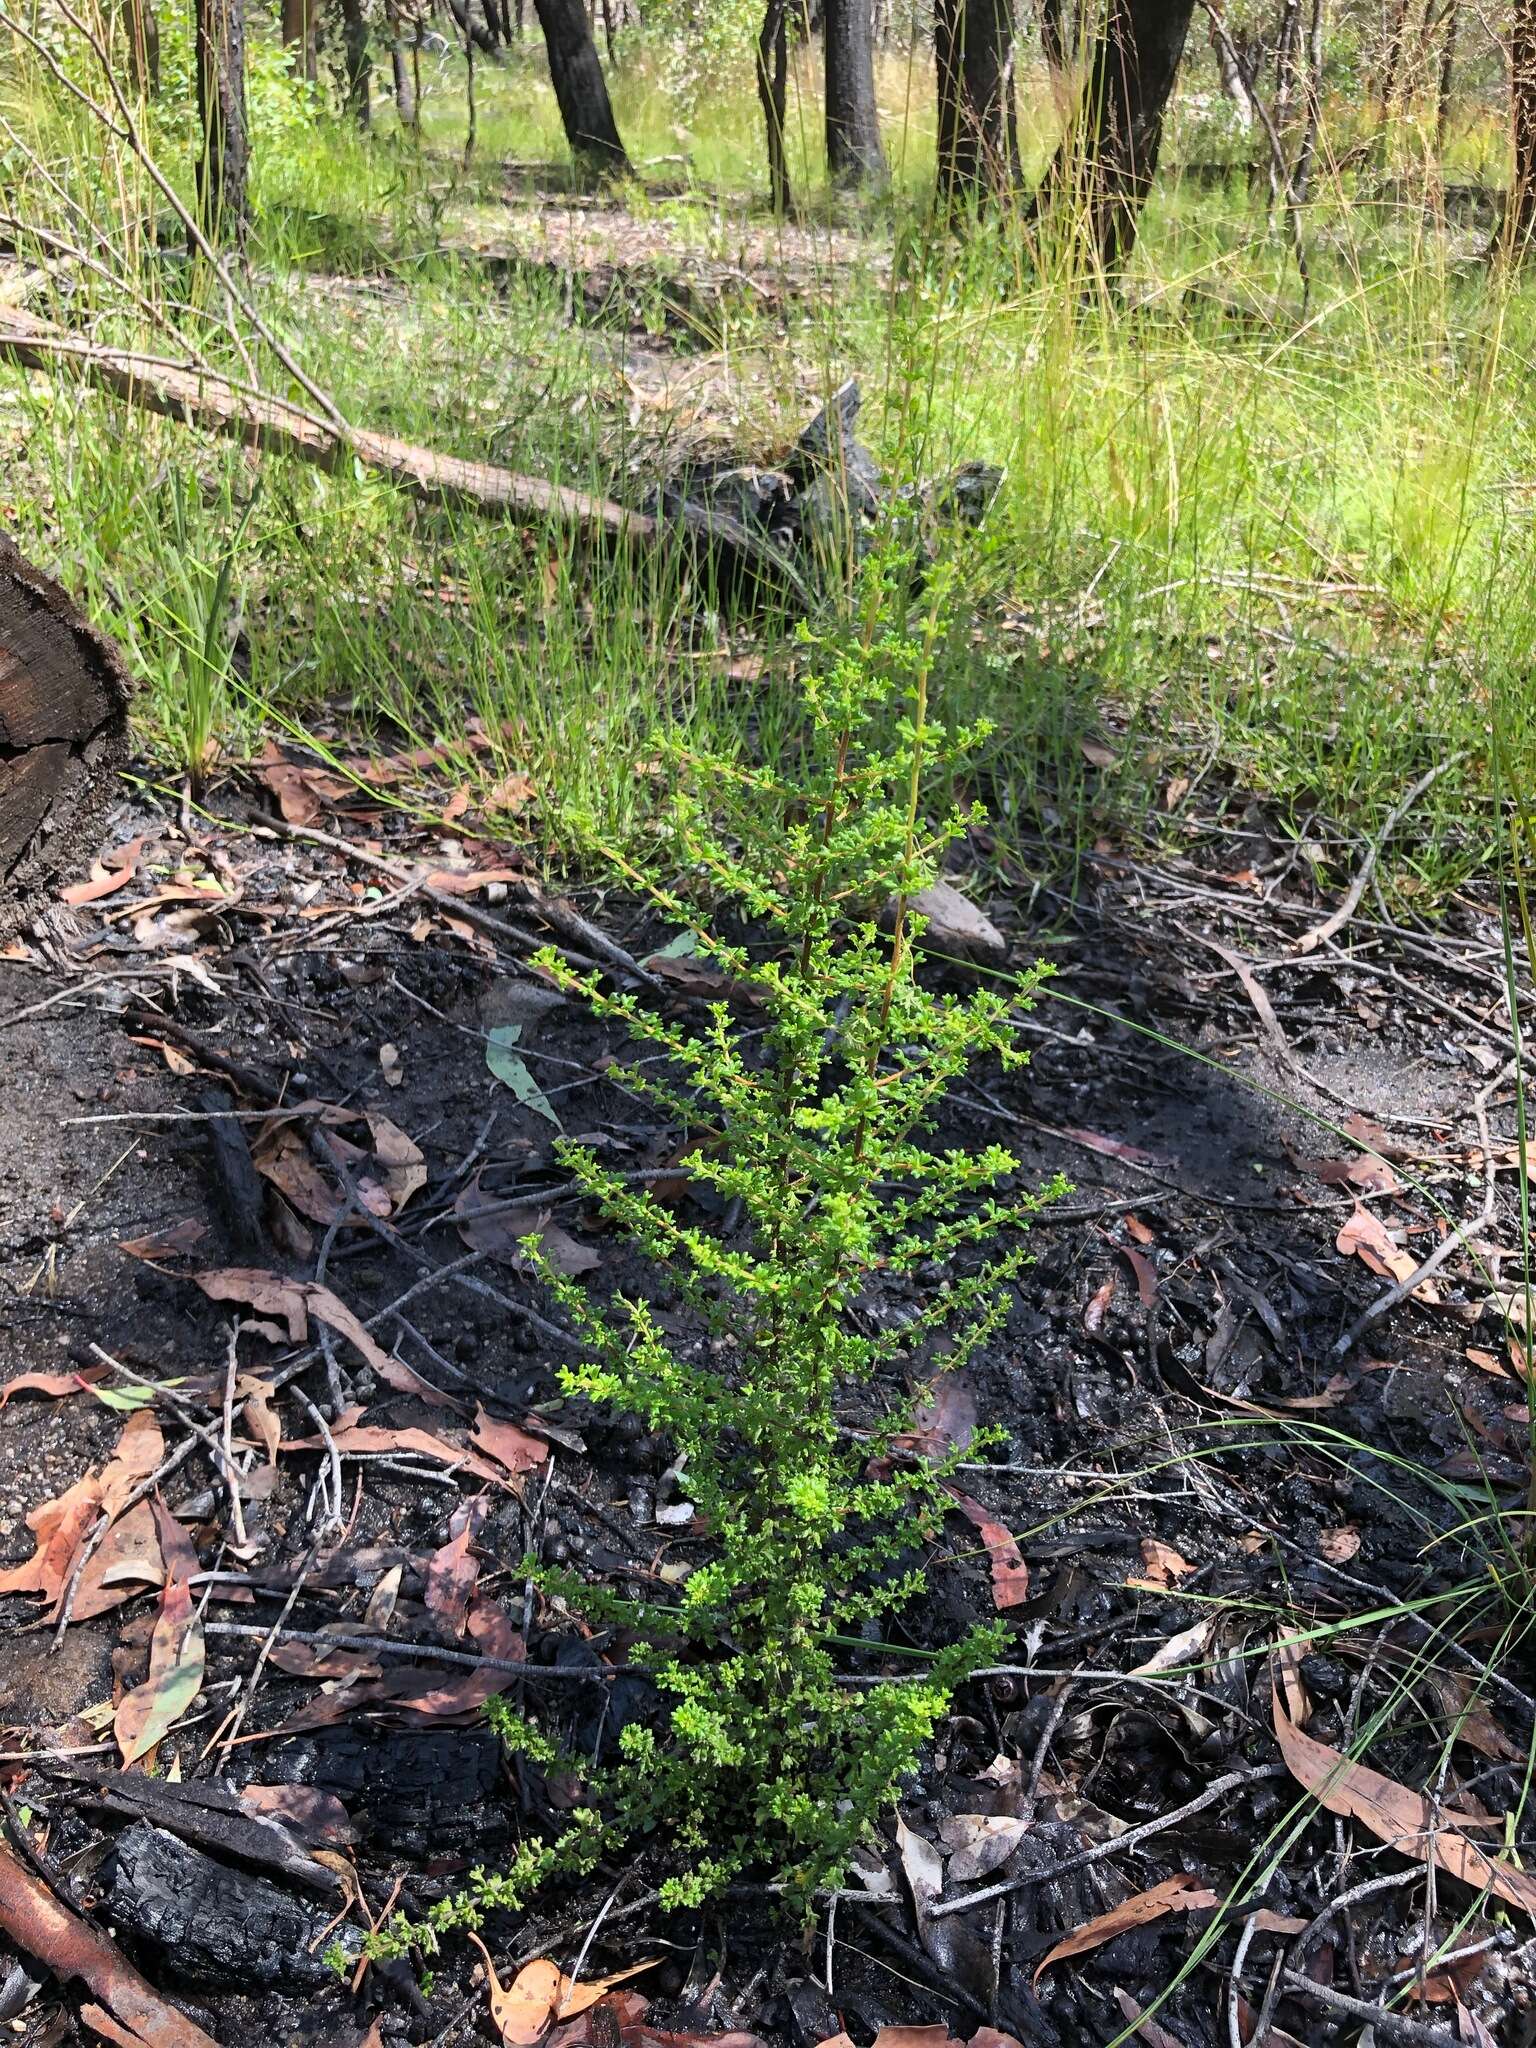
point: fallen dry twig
(44, 1928)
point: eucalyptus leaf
(509, 1066)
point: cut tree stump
(63, 731)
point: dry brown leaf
(260, 1416)
(55, 1385)
(1366, 1237)
(523, 2011)
(107, 875)
(1161, 1564)
(1173, 1895)
(1010, 1572)
(511, 1447)
(1098, 1307)
(1403, 1819)
(146, 1715)
(1339, 1545)
(979, 1843)
(404, 1164)
(452, 1574)
(1148, 2030)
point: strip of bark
(44, 1928)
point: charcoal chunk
(419, 1792)
(217, 1925)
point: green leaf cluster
(811, 1099)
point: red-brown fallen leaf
(1010, 1573)
(465, 881)
(43, 1928)
(311, 1660)
(510, 1446)
(108, 874)
(293, 1302)
(1405, 1820)
(55, 1385)
(1098, 1307)
(165, 1243)
(513, 793)
(1339, 1545)
(453, 1571)
(405, 1379)
(1174, 1895)
(124, 1563)
(403, 1164)
(1146, 1275)
(349, 1434)
(60, 1527)
(315, 1818)
(487, 1224)
(1367, 1173)
(1112, 1148)
(1142, 1233)
(467, 1691)
(1366, 1236)
(524, 2010)
(1161, 1564)
(146, 1715)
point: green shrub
(817, 1130)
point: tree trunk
(299, 38)
(1312, 96)
(141, 32)
(1104, 167)
(772, 92)
(405, 84)
(585, 110)
(1391, 70)
(1446, 81)
(978, 118)
(63, 732)
(356, 63)
(1520, 207)
(224, 155)
(1229, 70)
(854, 154)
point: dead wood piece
(236, 1181)
(199, 398)
(210, 1816)
(45, 1929)
(416, 1792)
(213, 1922)
(63, 730)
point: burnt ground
(1196, 1465)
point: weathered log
(200, 399)
(63, 731)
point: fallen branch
(44, 1928)
(199, 398)
(1330, 926)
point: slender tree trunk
(141, 48)
(1446, 81)
(357, 64)
(1285, 89)
(1229, 68)
(585, 109)
(1520, 207)
(224, 151)
(1312, 99)
(1105, 166)
(854, 153)
(978, 117)
(608, 28)
(405, 93)
(471, 101)
(299, 38)
(773, 94)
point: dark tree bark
(299, 38)
(854, 153)
(224, 154)
(978, 115)
(1446, 79)
(772, 92)
(1104, 168)
(141, 33)
(585, 110)
(356, 63)
(63, 732)
(405, 84)
(1520, 208)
